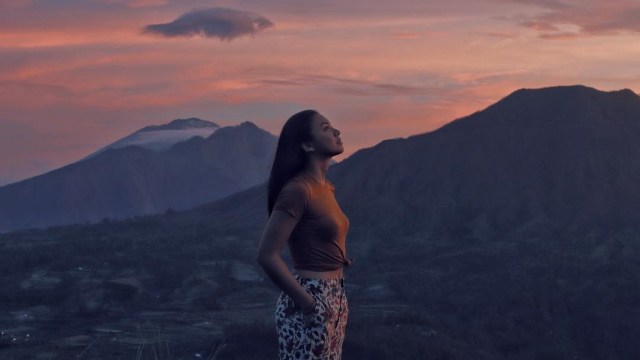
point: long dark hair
(290, 158)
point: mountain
(162, 137)
(567, 156)
(120, 182)
(514, 231)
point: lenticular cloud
(226, 24)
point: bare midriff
(333, 274)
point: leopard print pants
(322, 338)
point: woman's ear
(306, 147)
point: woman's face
(325, 138)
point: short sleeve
(292, 199)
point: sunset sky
(76, 75)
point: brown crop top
(318, 241)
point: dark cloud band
(226, 24)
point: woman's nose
(337, 132)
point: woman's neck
(317, 169)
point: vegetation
(445, 295)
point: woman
(312, 310)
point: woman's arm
(274, 239)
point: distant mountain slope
(134, 180)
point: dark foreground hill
(508, 234)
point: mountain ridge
(412, 169)
(177, 124)
(162, 137)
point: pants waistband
(335, 282)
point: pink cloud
(139, 3)
(581, 18)
(405, 35)
(14, 4)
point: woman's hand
(307, 316)
(309, 311)
(309, 308)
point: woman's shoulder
(333, 187)
(296, 180)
